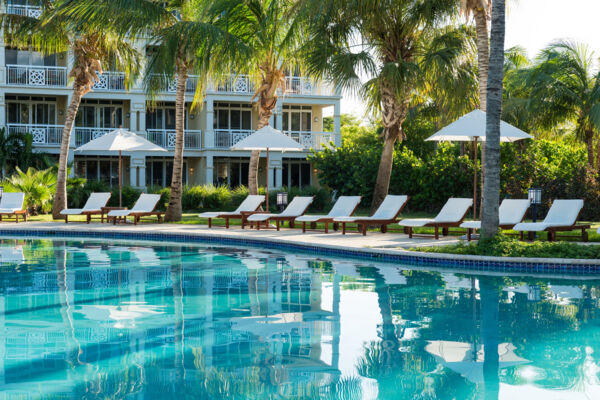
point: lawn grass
(505, 246)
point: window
(30, 110)
(25, 57)
(297, 118)
(296, 174)
(159, 172)
(233, 116)
(162, 117)
(100, 114)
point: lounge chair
(511, 212)
(343, 207)
(386, 214)
(11, 205)
(562, 216)
(452, 214)
(249, 205)
(143, 207)
(93, 206)
(296, 208)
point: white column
(71, 159)
(142, 177)
(208, 177)
(135, 162)
(2, 65)
(142, 127)
(337, 129)
(209, 133)
(2, 109)
(133, 121)
(279, 115)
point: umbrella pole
(267, 210)
(475, 180)
(120, 175)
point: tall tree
(184, 42)
(480, 9)
(403, 46)
(272, 31)
(53, 33)
(491, 190)
(565, 87)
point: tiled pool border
(473, 263)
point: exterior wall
(202, 147)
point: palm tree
(491, 189)
(272, 31)
(565, 87)
(184, 41)
(402, 45)
(480, 9)
(55, 32)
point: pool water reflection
(105, 319)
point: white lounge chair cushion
(387, 210)
(250, 203)
(296, 208)
(146, 203)
(561, 213)
(343, 207)
(453, 211)
(94, 203)
(511, 212)
(12, 202)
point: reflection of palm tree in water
(489, 292)
(178, 310)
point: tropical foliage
(38, 186)
(18, 151)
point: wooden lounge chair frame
(437, 225)
(15, 214)
(326, 221)
(280, 220)
(383, 223)
(566, 228)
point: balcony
(85, 135)
(110, 81)
(225, 138)
(233, 84)
(294, 85)
(43, 135)
(166, 138)
(190, 87)
(24, 10)
(36, 76)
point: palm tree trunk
(589, 142)
(174, 212)
(491, 190)
(266, 105)
(483, 56)
(60, 198)
(384, 174)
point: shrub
(38, 187)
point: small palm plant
(38, 186)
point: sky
(533, 24)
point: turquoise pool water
(105, 319)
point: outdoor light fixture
(192, 116)
(282, 200)
(128, 115)
(535, 199)
(316, 119)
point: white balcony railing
(190, 87)
(233, 84)
(85, 135)
(225, 138)
(38, 76)
(312, 140)
(110, 81)
(306, 86)
(43, 135)
(24, 10)
(166, 138)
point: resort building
(35, 92)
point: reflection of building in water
(99, 309)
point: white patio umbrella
(268, 138)
(471, 128)
(121, 140)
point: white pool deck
(374, 240)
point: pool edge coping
(483, 263)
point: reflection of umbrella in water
(11, 255)
(459, 357)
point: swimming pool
(121, 319)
